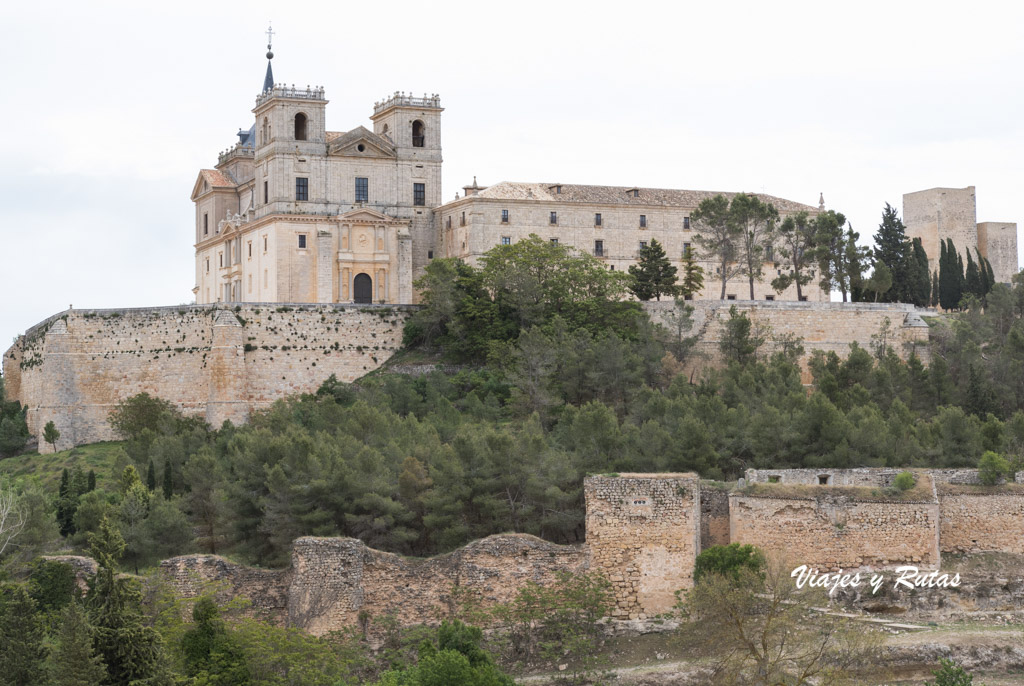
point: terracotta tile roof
(217, 179)
(621, 195)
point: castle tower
(938, 214)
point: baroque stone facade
(938, 214)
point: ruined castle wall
(714, 517)
(981, 522)
(336, 579)
(997, 242)
(863, 476)
(266, 589)
(643, 532)
(830, 327)
(218, 363)
(836, 533)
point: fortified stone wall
(266, 589)
(831, 531)
(831, 327)
(990, 519)
(643, 532)
(865, 476)
(216, 362)
(997, 242)
(936, 214)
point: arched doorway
(362, 287)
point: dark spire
(268, 80)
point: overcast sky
(109, 109)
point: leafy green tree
(904, 481)
(993, 468)
(756, 221)
(653, 276)
(210, 653)
(719, 237)
(131, 649)
(693, 275)
(950, 673)
(74, 661)
(740, 341)
(51, 435)
(52, 585)
(22, 634)
(832, 252)
(796, 246)
(728, 560)
(880, 281)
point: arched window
(300, 127)
(417, 134)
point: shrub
(992, 468)
(728, 560)
(904, 481)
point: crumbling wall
(266, 589)
(864, 476)
(714, 516)
(828, 531)
(977, 519)
(643, 532)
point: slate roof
(621, 195)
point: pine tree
(653, 275)
(168, 480)
(693, 274)
(74, 662)
(130, 649)
(22, 635)
(893, 248)
(855, 264)
(151, 477)
(51, 435)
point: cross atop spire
(268, 80)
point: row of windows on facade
(553, 220)
(233, 248)
(417, 129)
(419, 191)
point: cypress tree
(991, 275)
(922, 281)
(151, 477)
(65, 510)
(961, 280)
(947, 278)
(168, 480)
(972, 279)
(986, 285)
(935, 288)
(92, 480)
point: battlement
(400, 99)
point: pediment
(368, 216)
(209, 180)
(348, 144)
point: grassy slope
(101, 457)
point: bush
(992, 468)
(728, 560)
(904, 481)
(950, 674)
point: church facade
(294, 213)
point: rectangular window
(264, 244)
(730, 297)
(506, 240)
(686, 248)
(301, 188)
(686, 223)
(643, 244)
(430, 254)
(597, 219)
(769, 297)
(362, 189)
(643, 221)
(598, 248)
(448, 222)
(462, 220)
(302, 240)
(419, 194)
(264, 192)
(250, 248)
(803, 298)
(504, 216)
(221, 256)
(207, 265)
(554, 217)
(554, 241)
(206, 224)
(769, 253)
